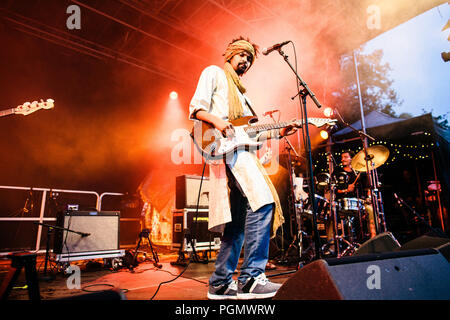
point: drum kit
(346, 221)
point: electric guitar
(213, 145)
(28, 108)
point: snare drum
(350, 205)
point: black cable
(181, 244)
(101, 284)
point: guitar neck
(268, 126)
(6, 112)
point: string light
(417, 152)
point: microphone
(85, 234)
(277, 46)
(269, 113)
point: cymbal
(378, 154)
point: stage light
(324, 134)
(328, 112)
(173, 95)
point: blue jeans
(249, 229)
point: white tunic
(211, 95)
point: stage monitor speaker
(102, 227)
(439, 243)
(405, 275)
(384, 242)
(186, 192)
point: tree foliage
(375, 83)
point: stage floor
(139, 284)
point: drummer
(350, 184)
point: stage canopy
(418, 143)
(143, 34)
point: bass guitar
(28, 107)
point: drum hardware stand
(338, 239)
(379, 199)
(303, 94)
(297, 238)
(145, 233)
(373, 188)
(402, 203)
(332, 203)
(294, 214)
(360, 216)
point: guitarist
(243, 203)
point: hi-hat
(377, 156)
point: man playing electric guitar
(242, 198)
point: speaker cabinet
(404, 275)
(384, 242)
(102, 227)
(186, 192)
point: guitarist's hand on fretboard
(287, 131)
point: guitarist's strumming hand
(225, 127)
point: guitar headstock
(320, 122)
(30, 107)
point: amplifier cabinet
(102, 227)
(184, 222)
(186, 192)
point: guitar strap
(250, 107)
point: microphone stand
(402, 203)
(303, 94)
(50, 228)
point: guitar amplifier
(102, 227)
(186, 192)
(196, 224)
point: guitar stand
(21, 260)
(145, 233)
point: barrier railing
(42, 218)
